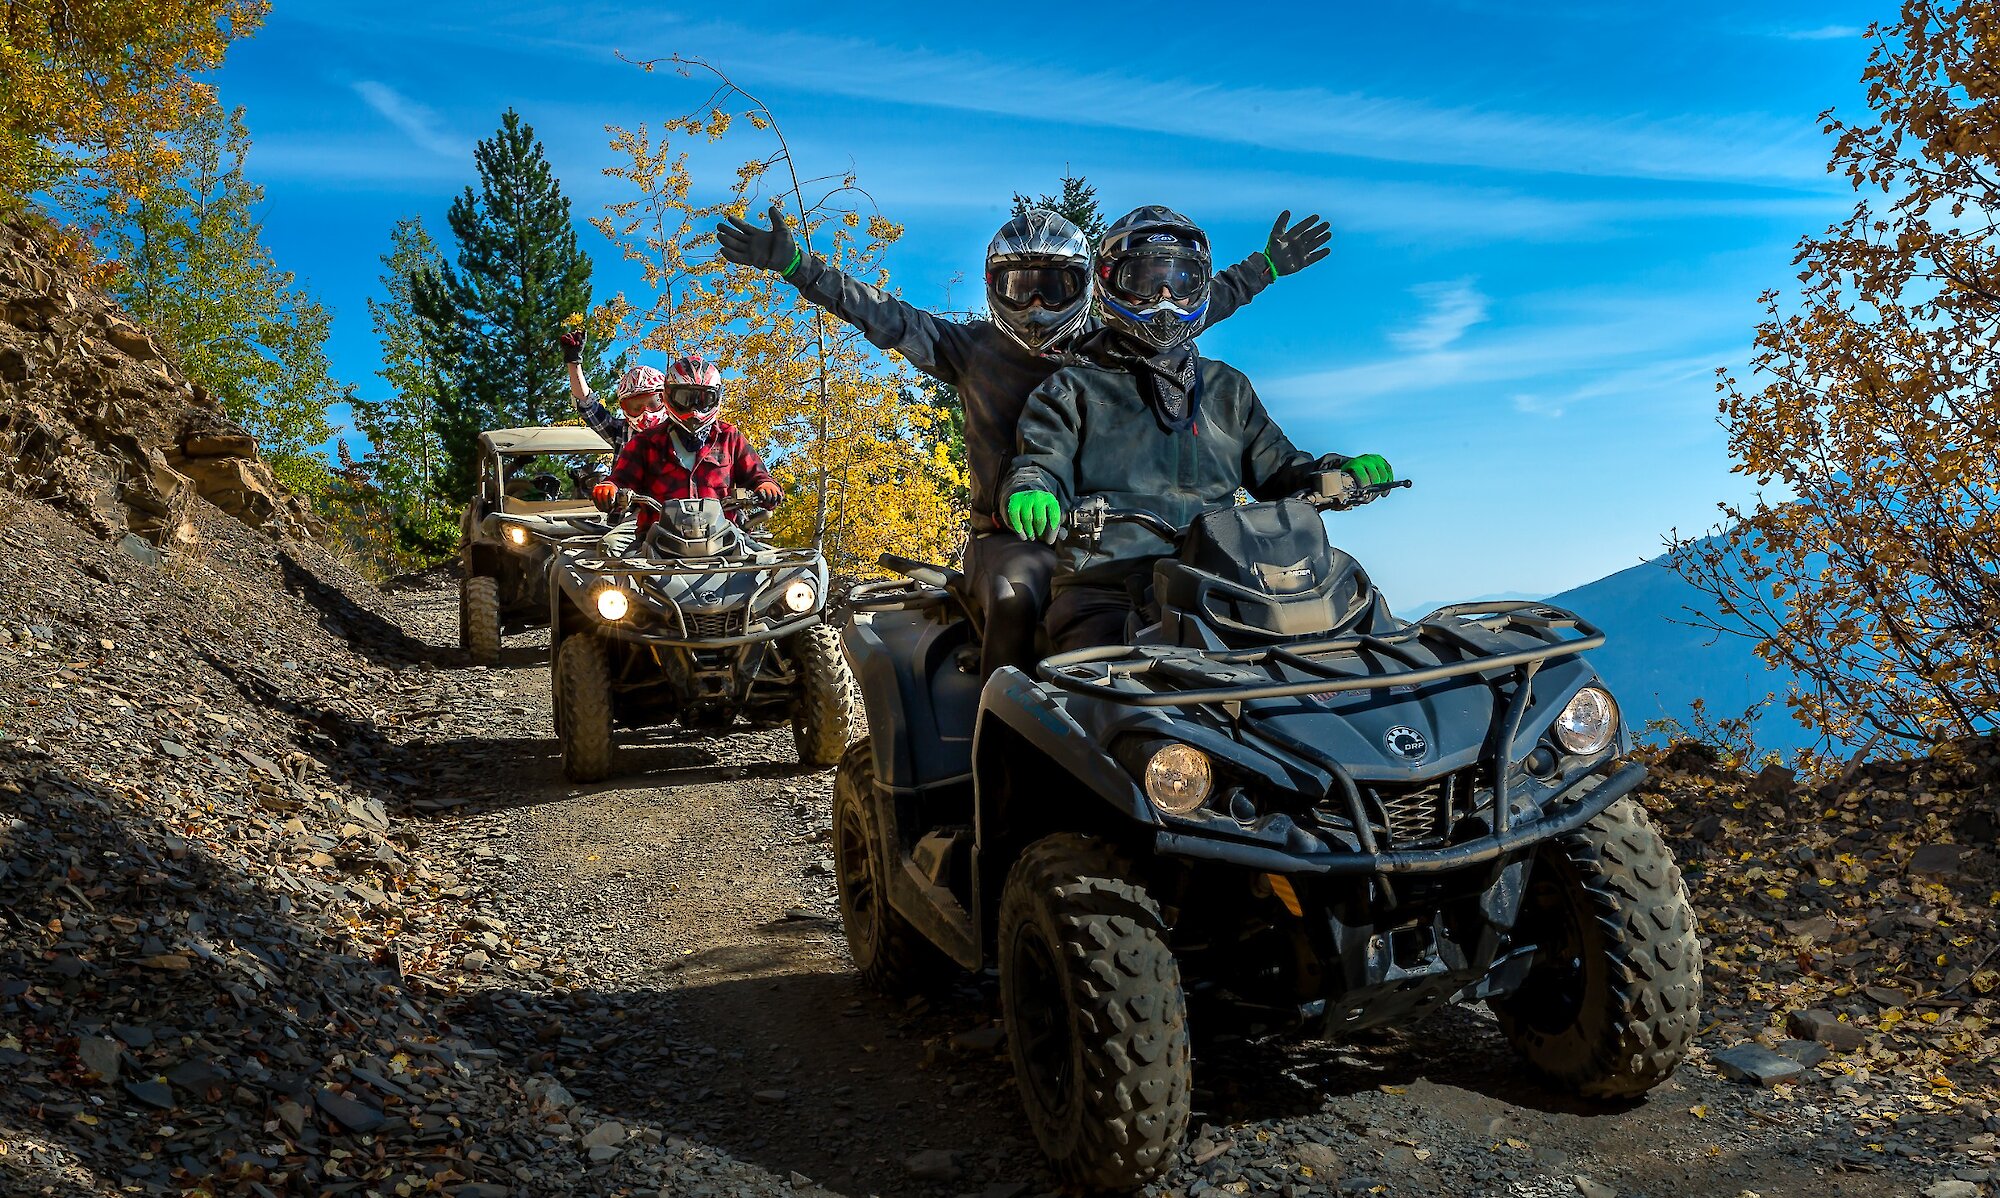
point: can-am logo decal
(1158, 237)
(1406, 742)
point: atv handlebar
(1331, 489)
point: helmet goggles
(1143, 276)
(1018, 286)
(694, 399)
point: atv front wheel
(891, 955)
(1096, 1018)
(584, 682)
(826, 712)
(1613, 996)
(479, 619)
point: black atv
(696, 620)
(1279, 804)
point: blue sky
(1551, 221)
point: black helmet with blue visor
(1153, 277)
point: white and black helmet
(1153, 277)
(1038, 279)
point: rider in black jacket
(1038, 272)
(1153, 425)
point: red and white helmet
(694, 393)
(643, 387)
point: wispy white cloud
(417, 122)
(1450, 309)
(1306, 120)
(1546, 366)
(1679, 376)
(1818, 33)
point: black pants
(1081, 617)
(1010, 586)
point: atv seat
(514, 505)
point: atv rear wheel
(825, 714)
(891, 955)
(1613, 997)
(479, 619)
(583, 680)
(1096, 1017)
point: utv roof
(567, 438)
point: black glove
(1292, 250)
(774, 248)
(572, 345)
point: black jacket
(992, 372)
(1087, 431)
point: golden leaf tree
(842, 428)
(91, 93)
(1875, 405)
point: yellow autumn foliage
(91, 94)
(863, 469)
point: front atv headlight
(517, 534)
(1178, 778)
(800, 596)
(613, 603)
(1588, 723)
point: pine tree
(1077, 204)
(195, 269)
(519, 274)
(407, 458)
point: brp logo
(1406, 742)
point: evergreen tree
(195, 270)
(519, 273)
(1077, 204)
(407, 458)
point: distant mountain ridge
(1658, 665)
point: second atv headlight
(517, 534)
(1178, 778)
(1588, 723)
(800, 596)
(613, 603)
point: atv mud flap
(1564, 814)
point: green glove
(1370, 469)
(1032, 514)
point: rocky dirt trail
(295, 901)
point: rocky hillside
(97, 423)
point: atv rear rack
(1099, 672)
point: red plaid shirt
(649, 466)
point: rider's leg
(1010, 582)
(1084, 616)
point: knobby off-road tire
(827, 712)
(890, 954)
(1609, 1008)
(584, 683)
(1096, 1017)
(479, 619)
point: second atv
(1278, 804)
(699, 621)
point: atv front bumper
(1565, 813)
(631, 634)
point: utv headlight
(800, 596)
(1178, 778)
(517, 534)
(613, 603)
(1588, 723)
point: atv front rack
(574, 553)
(1120, 673)
(1099, 673)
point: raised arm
(932, 345)
(1289, 250)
